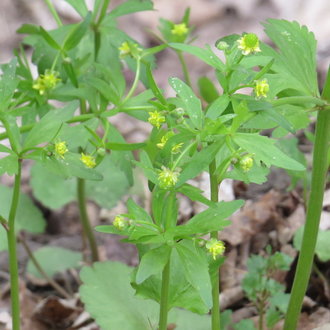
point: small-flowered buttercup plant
(218, 131)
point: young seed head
(180, 29)
(156, 119)
(222, 45)
(88, 160)
(261, 88)
(167, 178)
(61, 149)
(215, 247)
(249, 43)
(119, 222)
(246, 163)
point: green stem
(184, 68)
(12, 252)
(163, 311)
(54, 12)
(135, 82)
(214, 187)
(314, 208)
(87, 229)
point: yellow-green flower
(177, 148)
(215, 247)
(163, 141)
(129, 48)
(249, 43)
(61, 149)
(261, 88)
(46, 82)
(179, 29)
(156, 119)
(88, 160)
(119, 222)
(246, 163)
(167, 178)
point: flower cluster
(261, 88)
(167, 178)
(215, 247)
(156, 119)
(249, 44)
(88, 160)
(180, 29)
(46, 82)
(61, 149)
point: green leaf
(79, 6)
(49, 39)
(192, 103)
(264, 150)
(112, 303)
(49, 125)
(129, 7)
(196, 269)
(153, 262)
(244, 325)
(124, 146)
(57, 192)
(322, 249)
(212, 219)
(9, 164)
(206, 55)
(198, 162)
(53, 259)
(297, 52)
(158, 94)
(218, 106)
(8, 83)
(137, 212)
(194, 194)
(207, 89)
(28, 217)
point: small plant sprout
(215, 247)
(167, 178)
(60, 149)
(261, 88)
(156, 119)
(249, 44)
(88, 160)
(47, 81)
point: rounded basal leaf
(110, 300)
(28, 217)
(54, 260)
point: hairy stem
(184, 68)
(87, 229)
(163, 311)
(216, 280)
(314, 208)
(12, 252)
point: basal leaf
(54, 259)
